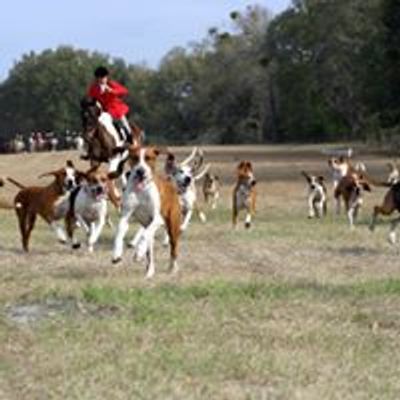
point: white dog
(153, 202)
(317, 195)
(185, 174)
(89, 206)
(394, 174)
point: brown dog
(351, 188)
(50, 202)
(244, 193)
(391, 203)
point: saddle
(124, 134)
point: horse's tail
(17, 184)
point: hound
(244, 193)
(317, 195)
(50, 202)
(394, 174)
(89, 206)
(391, 203)
(342, 167)
(185, 176)
(153, 201)
(351, 188)
(211, 188)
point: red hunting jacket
(111, 102)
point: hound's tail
(17, 184)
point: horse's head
(90, 112)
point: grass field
(292, 309)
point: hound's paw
(149, 275)
(76, 246)
(165, 241)
(116, 260)
(202, 217)
(247, 225)
(173, 268)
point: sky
(137, 31)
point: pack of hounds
(168, 199)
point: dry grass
(292, 309)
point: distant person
(108, 93)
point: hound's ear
(241, 164)
(170, 158)
(161, 150)
(365, 185)
(95, 168)
(321, 179)
(113, 175)
(80, 176)
(70, 164)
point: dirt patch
(32, 313)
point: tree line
(319, 71)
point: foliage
(321, 70)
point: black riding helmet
(101, 72)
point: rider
(108, 93)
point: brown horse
(102, 146)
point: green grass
(291, 309)
(218, 339)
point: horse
(104, 144)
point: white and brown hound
(394, 174)
(317, 195)
(244, 193)
(185, 175)
(153, 201)
(211, 189)
(390, 204)
(89, 205)
(350, 188)
(51, 202)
